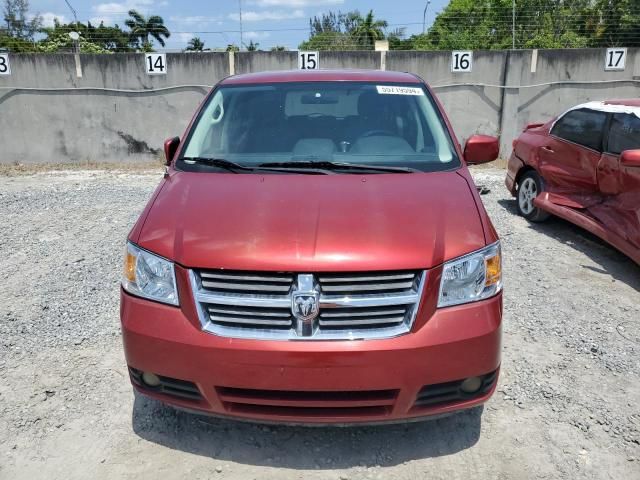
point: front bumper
(513, 168)
(315, 382)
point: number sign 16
(308, 61)
(461, 61)
(5, 67)
(616, 59)
(155, 63)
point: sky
(268, 22)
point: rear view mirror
(630, 158)
(170, 148)
(481, 149)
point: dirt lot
(567, 404)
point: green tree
(15, 45)
(330, 41)
(252, 47)
(368, 30)
(110, 38)
(487, 24)
(142, 28)
(59, 40)
(344, 31)
(107, 38)
(334, 22)
(232, 48)
(622, 25)
(195, 45)
(397, 40)
(17, 21)
(279, 48)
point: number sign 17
(5, 66)
(461, 61)
(155, 63)
(616, 59)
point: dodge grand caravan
(317, 253)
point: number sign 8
(5, 67)
(155, 63)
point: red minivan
(317, 253)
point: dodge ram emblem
(305, 305)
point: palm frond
(136, 16)
(158, 37)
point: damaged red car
(583, 166)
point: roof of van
(322, 76)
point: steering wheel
(378, 133)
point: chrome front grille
(354, 284)
(232, 315)
(295, 306)
(349, 317)
(244, 283)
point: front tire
(529, 187)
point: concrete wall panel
(116, 112)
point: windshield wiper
(237, 168)
(329, 165)
(218, 162)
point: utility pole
(240, 7)
(513, 24)
(75, 16)
(424, 16)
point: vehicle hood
(312, 222)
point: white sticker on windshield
(393, 90)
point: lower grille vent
(307, 403)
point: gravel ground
(566, 405)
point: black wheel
(529, 187)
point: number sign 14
(155, 63)
(308, 61)
(461, 61)
(616, 59)
(5, 66)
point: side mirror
(170, 148)
(481, 149)
(630, 158)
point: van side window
(584, 127)
(624, 133)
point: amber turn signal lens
(494, 270)
(130, 266)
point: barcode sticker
(394, 90)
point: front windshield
(345, 122)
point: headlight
(149, 276)
(471, 278)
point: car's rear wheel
(529, 187)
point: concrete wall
(48, 114)
(84, 123)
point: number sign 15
(155, 63)
(5, 66)
(308, 61)
(616, 59)
(461, 61)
